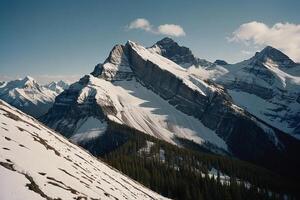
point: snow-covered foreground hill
(37, 163)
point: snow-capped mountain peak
(116, 66)
(28, 80)
(266, 85)
(57, 87)
(272, 54)
(30, 97)
(181, 55)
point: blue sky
(69, 37)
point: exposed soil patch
(42, 173)
(61, 185)
(6, 165)
(34, 187)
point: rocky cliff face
(181, 55)
(115, 67)
(73, 107)
(178, 54)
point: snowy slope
(120, 97)
(146, 111)
(267, 85)
(27, 95)
(37, 163)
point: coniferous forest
(190, 172)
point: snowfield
(281, 109)
(37, 163)
(140, 108)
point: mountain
(266, 85)
(37, 163)
(181, 55)
(57, 87)
(30, 97)
(139, 88)
(221, 62)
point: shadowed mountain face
(139, 88)
(178, 54)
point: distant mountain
(37, 163)
(221, 62)
(139, 88)
(266, 85)
(30, 97)
(57, 87)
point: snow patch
(90, 129)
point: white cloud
(171, 29)
(140, 23)
(284, 36)
(164, 29)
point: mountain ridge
(30, 97)
(141, 89)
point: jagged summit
(27, 81)
(116, 66)
(57, 87)
(221, 62)
(271, 53)
(178, 54)
(28, 78)
(166, 40)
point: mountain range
(29, 96)
(249, 110)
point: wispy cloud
(245, 52)
(164, 29)
(140, 23)
(284, 36)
